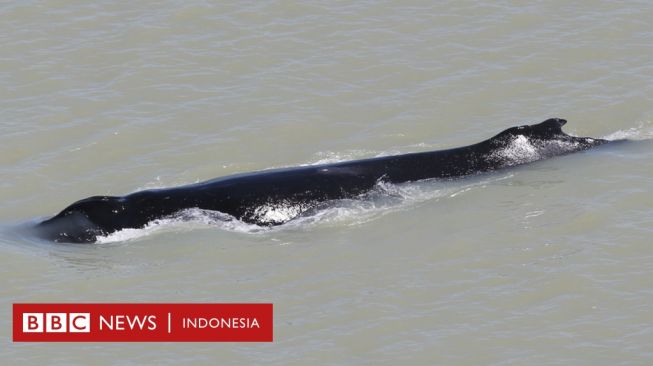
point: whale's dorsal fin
(551, 128)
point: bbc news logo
(117, 322)
(56, 322)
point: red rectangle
(142, 322)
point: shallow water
(547, 263)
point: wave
(643, 131)
(385, 198)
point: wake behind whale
(274, 197)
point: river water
(549, 263)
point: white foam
(385, 198)
(186, 220)
(643, 131)
(277, 213)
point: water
(545, 264)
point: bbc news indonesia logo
(142, 322)
(56, 322)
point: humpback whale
(248, 197)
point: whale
(249, 197)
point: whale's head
(85, 220)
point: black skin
(302, 187)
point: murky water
(549, 263)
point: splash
(384, 199)
(186, 220)
(279, 212)
(643, 131)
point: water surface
(546, 264)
